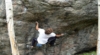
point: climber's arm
(59, 35)
(37, 26)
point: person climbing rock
(45, 36)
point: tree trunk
(9, 17)
(98, 44)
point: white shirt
(43, 38)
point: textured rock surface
(76, 18)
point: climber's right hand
(36, 22)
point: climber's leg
(34, 41)
(51, 41)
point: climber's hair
(48, 31)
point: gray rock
(77, 19)
(2, 8)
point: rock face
(77, 19)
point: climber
(45, 36)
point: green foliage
(89, 53)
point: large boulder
(77, 19)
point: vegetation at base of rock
(89, 53)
